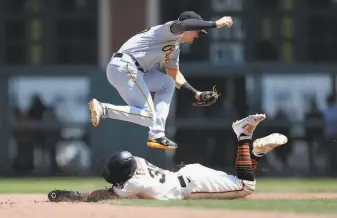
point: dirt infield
(37, 206)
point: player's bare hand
(224, 22)
(197, 96)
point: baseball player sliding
(135, 72)
(134, 177)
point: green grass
(296, 206)
(43, 185)
(296, 185)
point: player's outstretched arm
(75, 196)
(195, 24)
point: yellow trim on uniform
(93, 114)
(157, 145)
(134, 80)
(95, 122)
(132, 113)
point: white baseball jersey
(151, 182)
(214, 184)
(156, 45)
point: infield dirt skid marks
(37, 206)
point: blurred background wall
(279, 58)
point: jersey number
(156, 172)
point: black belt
(182, 181)
(120, 55)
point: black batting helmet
(119, 168)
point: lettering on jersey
(168, 49)
(156, 172)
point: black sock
(255, 161)
(243, 163)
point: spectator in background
(282, 125)
(35, 113)
(37, 108)
(52, 137)
(314, 125)
(330, 131)
(313, 131)
(24, 160)
(45, 139)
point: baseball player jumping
(134, 177)
(135, 72)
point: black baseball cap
(191, 15)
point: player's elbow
(172, 72)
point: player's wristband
(188, 87)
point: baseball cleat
(263, 145)
(247, 125)
(162, 143)
(96, 110)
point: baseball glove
(207, 98)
